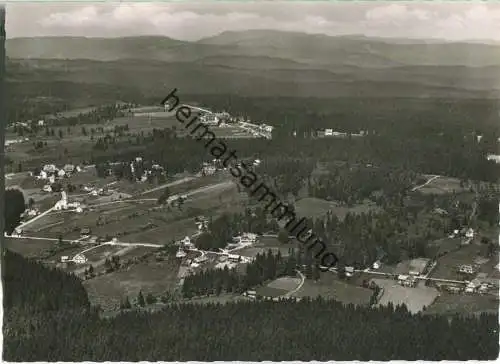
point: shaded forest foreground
(48, 318)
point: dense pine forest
(48, 318)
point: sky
(194, 20)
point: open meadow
(448, 303)
(442, 185)
(149, 276)
(414, 298)
(447, 265)
(329, 286)
(28, 247)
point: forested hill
(47, 319)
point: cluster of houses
(416, 268)
(94, 191)
(156, 169)
(15, 141)
(480, 284)
(467, 233)
(30, 213)
(219, 118)
(493, 157)
(226, 257)
(332, 133)
(243, 239)
(263, 129)
(210, 168)
(51, 173)
(78, 259)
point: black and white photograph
(249, 181)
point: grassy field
(285, 283)
(267, 291)
(150, 277)
(28, 247)
(447, 265)
(314, 208)
(414, 298)
(101, 252)
(442, 185)
(444, 246)
(331, 287)
(463, 304)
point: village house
(349, 271)
(469, 233)
(186, 242)
(69, 168)
(234, 258)
(406, 280)
(472, 286)
(49, 168)
(85, 232)
(79, 259)
(453, 288)
(42, 175)
(246, 238)
(466, 269)
(180, 253)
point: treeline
(31, 287)
(264, 268)
(353, 184)
(47, 318)
(396, 233)
(488, 205)
(221, 230)
(289, 160)
(14, 207)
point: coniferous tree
(140, 299)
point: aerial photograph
(249, 181)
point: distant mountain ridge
(311, 49)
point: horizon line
(350, 35)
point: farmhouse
(467, 269)
(349, 271)
(79, 259)
(234, 258)
(85, 232)
(469, 233)
(246, 238)
(49, 168)
(69, 168)
(406, 281)
(186, 242)
(180, 254)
